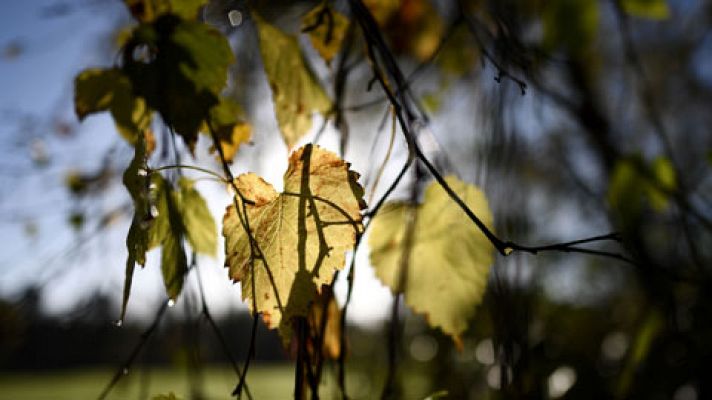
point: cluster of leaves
(285, 248)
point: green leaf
(301, 234)
(183, 73)
(570, 25)
(226, 119)
(448, 258)
(173, 262)
(168, 230)
(295, 91)
(633, 181)
(198, 221)
(664, 174)
(149, 10)
(137, 183)
(187, 9)
(99, 90)
(458, 55)
(651, 9)
(326, 29)
(624, 190)
(160, 224)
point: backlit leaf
(226, 119)
(326, 29)
(300, 235)
(160, 225)
(148, 10)
(169, 230)
(664, 175)
(99, 90)
(295, 91)
(570, 25)
(458, 55)
(449, 259)
(198, 221)
(136, 181)
(633, 181)
(173, 263)
(180, 69)
(652, 9)
(382, 10)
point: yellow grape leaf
(300, 235)
(97, 90)
(295, 91)
(326, 29)
(449, 259)
(651, 9)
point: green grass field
(216, 383)
(265, 382)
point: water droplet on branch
(235, 18)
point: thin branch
(192, 167)
(376, 45)
(124, 368)
(221, 338)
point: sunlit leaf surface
(99, 90)
(652, 9)
(300, 235)
(180, 68)
(199, 225)
(449, 259)
(295, 91)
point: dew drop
(154, 211)
(235, 18)
(142, 172)
(171, 302)
(152, 186)
(118, 323)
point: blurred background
(577, 118)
